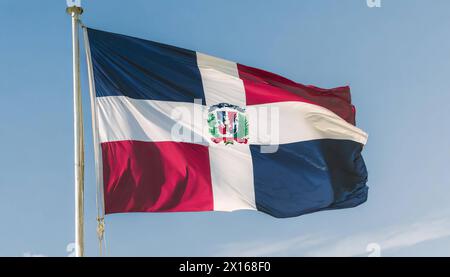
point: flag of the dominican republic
(179, 131)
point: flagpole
(75, 12)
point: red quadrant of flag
(156, 177)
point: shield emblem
(228, 124)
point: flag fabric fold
(182, 131)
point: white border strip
(97, 148)
(220, 79)
(122, 118)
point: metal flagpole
(75, 12)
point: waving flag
(180, 131)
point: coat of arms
(228, 123)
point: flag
(181, 131)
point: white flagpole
(75, 12)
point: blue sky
(395, 58)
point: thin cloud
(391, 238)
(274, 248)
(29, 254)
